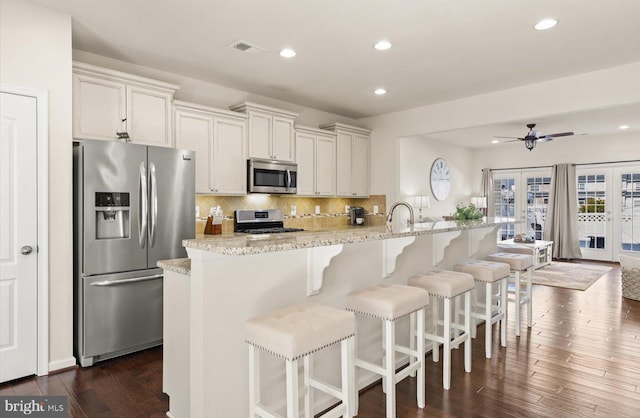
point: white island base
(205, 371)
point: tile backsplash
(332, 210)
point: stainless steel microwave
(268, 176)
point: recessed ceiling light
(545, 24)
(495, 141)
(382, 45)
(380, 91)
(623, 127)
(288, 53)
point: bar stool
(519, 264)
(297, 332)
(448, 285)
(389, 302)
(495, 307)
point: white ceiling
(442, 49)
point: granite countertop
(178, 265)
(246, 244)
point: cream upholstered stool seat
(504, 247)
(494, 309)
(389, 302)
(519, 263)
(448, 285)
(297, 332)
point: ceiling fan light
(530, 143)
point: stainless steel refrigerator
(133, 206)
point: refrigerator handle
(154, 205)
(142, 205)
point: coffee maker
(356, 215)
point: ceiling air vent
(246, 47)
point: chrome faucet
(395, 205)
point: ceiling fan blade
(557, 135)
(508, 137)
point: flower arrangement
(466, 212)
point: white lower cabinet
(316, 159)
(352, 159)
(106, 102)
(218, 137)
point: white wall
(416, 155)
(576, 149)
(599, 89)
(197, 91)
(35, 51)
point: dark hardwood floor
(580, 359)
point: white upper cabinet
(316, 159)
(271, 131)
(102, 98)
(352, 159)
(218, 137)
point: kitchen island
(230, 278)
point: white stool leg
(254, 380)
(530, 296)
(420, 348)
(487, 320)
(517, 302)
(292, 388)
(474, 323)
(503, 307)
(412, 340)
(348, 380)
(390, 368)
(467, 331)
(354, 387)
(384, 354)
(435, 315)
(446, 349)
(308, 390)
(456, 319)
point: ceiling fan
(534, 136)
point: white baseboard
(62, 364)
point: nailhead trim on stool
(390, 302)
(488, 272)
(519, 263)
(448, 285)
(296, 332)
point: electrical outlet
(375, 209)
(293, 210)
(317, 209)
(346, 208)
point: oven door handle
(126, 281)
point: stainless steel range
(260, 221)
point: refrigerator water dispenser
(112, 215)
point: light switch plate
(293, 210)
(317, 209)
(375, 209)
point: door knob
(26, 250)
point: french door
(609, 211)
(522, 195)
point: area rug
(569, 275)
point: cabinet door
(325, 166)
(149, 116)
(360, 165)
(343, 171)
(282, 147)
(194, 131)
(99, 105)
(229, 161)
(305, 158)
(259, 135)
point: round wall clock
(440, 179)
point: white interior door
(18, 236)
(626, 211)
(595, 220)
